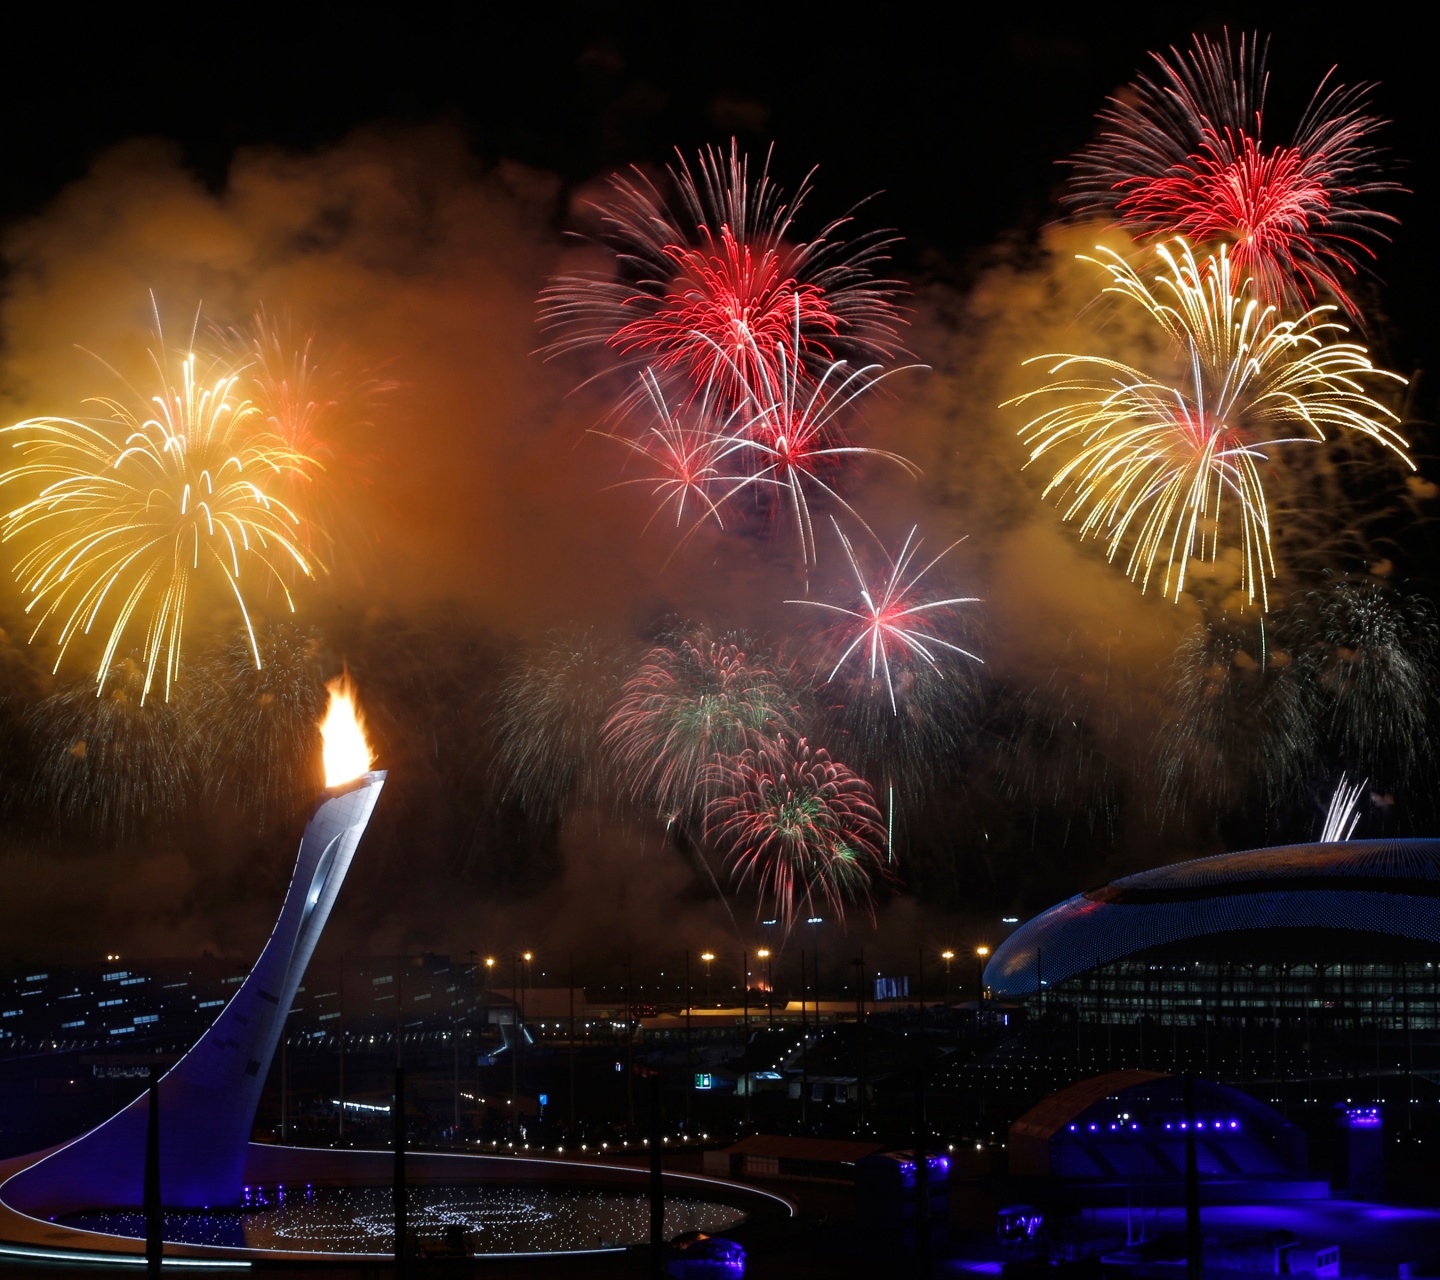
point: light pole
(764, 954)
(745, 1061)
(708, 957)
(689, 1054)
(629, 1046)
(947, 956)
(515, 1047)
(815, 922)
(980, 954)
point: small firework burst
(551, 708)
(800, 827)
(893, 623)
(687, 705)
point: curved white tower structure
(208, 1099)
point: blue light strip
(112, 1259)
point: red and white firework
(708, 283)
(794, 447)
(894, 623)
(1184, 153)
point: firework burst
(139, 509)
(684, 707)
(1184, 153)
(261, 724)
(113, 764)
(551, 708)
(893, 623)
(316, 398)
(706, 286)
(1374, 652)
(793, 446)
(683, 451)
(800, 827)
(1169, 467)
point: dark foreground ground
(824, 1242)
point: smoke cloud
(481, 508)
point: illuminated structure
(208, 1099)
(1130, 1126)
(1344, 932)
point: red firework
(800, 826)
(707, 285)
(682, 451)
(1185, 154)
(794, 442)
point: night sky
(401, 181)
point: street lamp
(947, 956)
(764, 954)
(707, 957)
(980, 954)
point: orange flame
(346, 752)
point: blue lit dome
(1365, 887)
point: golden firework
(128, 513)
(1172, 468)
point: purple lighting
(1363, 1117)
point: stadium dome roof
(1363, 886)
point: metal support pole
(1194, 1266)
(804, 1049)
(629, 1048)
(284, 1085)
(860, 1081)
(514, 1044)
(570, 1114)
(745, 1062)
(402, 1226)
(689, 1054)
(154, 1209)
(657, 1189)
(340, 1106)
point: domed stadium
(1341, 932)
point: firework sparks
(894, 621)
(797, 444)
(551, 708)
(785, 448)
(1183, 155)
(316, 398)
(1167, 465)
(113, 764)
(260, 730)
(1375, 651)
(707, 287)
(801, 827)
(682, 451)
(1343, 814)
(684, 707)
(140, 508)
